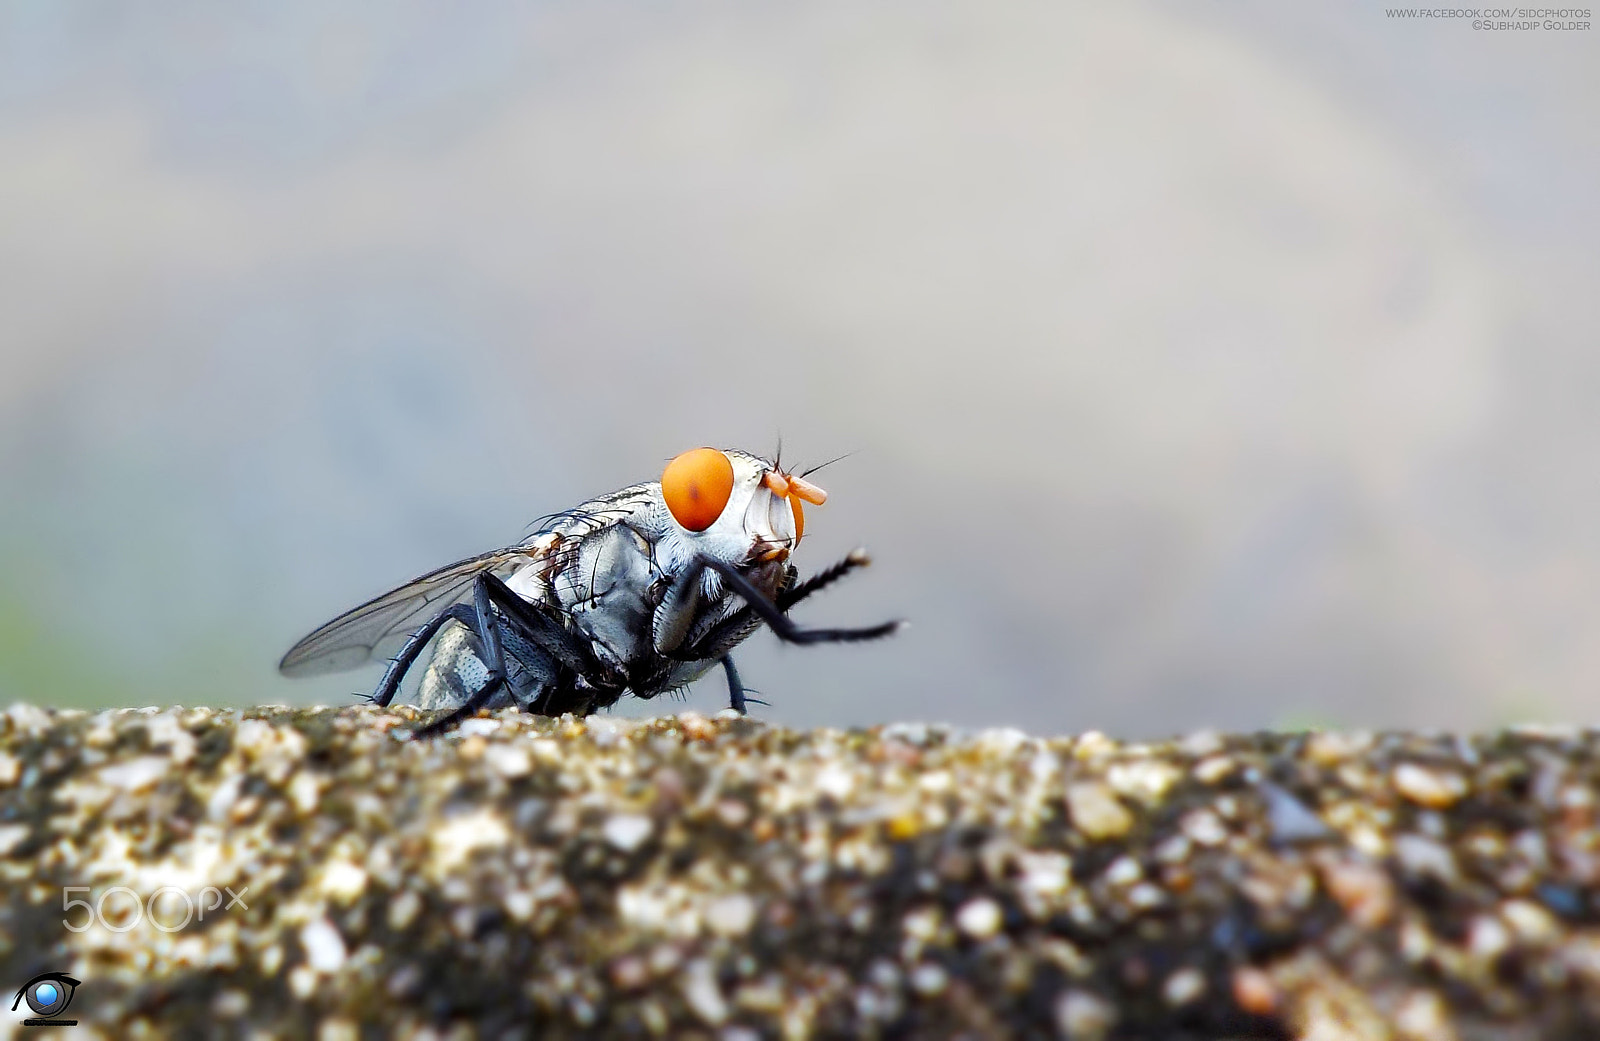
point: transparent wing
(379, 627)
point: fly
(634, 593)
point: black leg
(488, 631)
(738, 693)
(530, 623)
(735, 687)
(538, 627)
(826, 577)
(706, 646)
(407, 657)
(777, 621)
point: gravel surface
(685, 876)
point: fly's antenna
(830, 462)
(777, 456)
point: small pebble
(1424, 856)
(1488, 938)
(304, 792)
(1080, 1014)
(700, 990)
(1096, 810)
(1362, 889)
(135, 774)
(928, 979)
(230, 1004)
(1184, 987)
(1146, 780)
(343, 881)
(836, 781)
(338, 1029)
(1146, 895)
(1289, 820)
(1213, 769)
(627, 831)
(630, 973)
(1254, 991)
(1204, 828)
(1425, 786)
(1532, 923)
(922, 924)
(12, 836)
(403, 909)
(325, 949)
(731, 915)
(1124, 871)
(979, 919)
(509, 761)
(1421, 1016)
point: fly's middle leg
(735, 687)
(738, 693)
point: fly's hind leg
(523, 623)
(487, 629)
(402, 662)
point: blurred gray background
(1202, 364)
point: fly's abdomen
(455, 671)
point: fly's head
(736, 507)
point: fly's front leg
(826, 577)
(707, 646)
(714, 642)
(773, 615)
(676, 613)
(672, 622)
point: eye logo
(48, 994)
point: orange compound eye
(696, 486)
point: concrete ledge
(686, 876)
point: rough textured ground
(683, 876)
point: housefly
(638, 592)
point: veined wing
(379, 627)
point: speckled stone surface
(681, 877)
